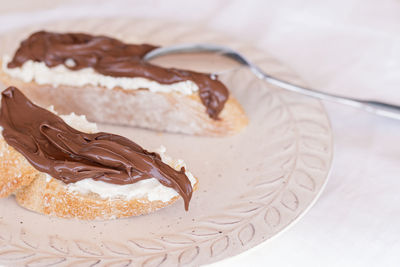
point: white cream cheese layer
(39, 73)
(151, 189)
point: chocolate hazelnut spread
(53, 147)
(112, 57)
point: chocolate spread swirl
(53, 147)
(112, 57)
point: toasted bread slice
(171, 112)
(40, 192)
(34, 191)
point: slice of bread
(38, 192)
(171, 112)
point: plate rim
(326, 115)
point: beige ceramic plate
(252, 185)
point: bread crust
(171, 112)
(33, 191)
(15, 170)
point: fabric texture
(349, 47)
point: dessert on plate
(61, 166)
(108, 81)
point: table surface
(351, 47)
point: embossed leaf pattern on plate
(257, 183)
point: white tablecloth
(350, 47)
